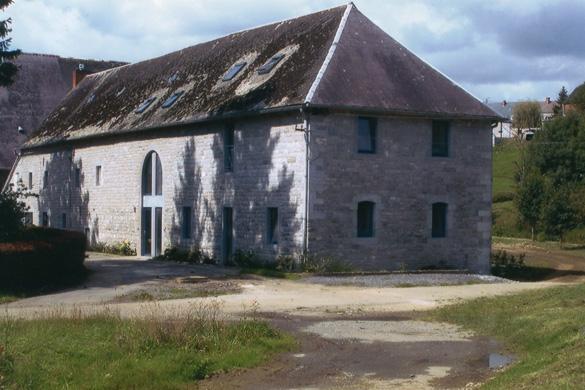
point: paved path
(351, 337)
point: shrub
(323, 264)
(506, 265)
(250, 259)
(42, 258)
(123, 248)
(12, 212)
(285, 263)
(503, 197)
(195, 255)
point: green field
(545, 329)
(505, 158)
(106, 351)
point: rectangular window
(228, 148)
(440, 139)
(439, 224)
(63, 221)
(186, 222)
(30, 181)
(45, 219)
(78, 177)
(367, 135)
(46, 179)
(272, 226)
(98, 175)
(365, 219)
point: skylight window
(270, 64)
(233, 71)
(172, 99)
(144, 105)
(91, 98)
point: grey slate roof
(41, 83)
(365, 70)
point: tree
(558, 214)
(562, 99)
(530, 198)
(577, 98)
(526, 115)
(12, 212)
(7, 68)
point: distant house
(41, 83)
(505, 109)
(319, 134)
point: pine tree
(7, 68)
(562, 99)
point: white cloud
(462, 38)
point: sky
(495, 49)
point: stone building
(319, 133)
(41, 83)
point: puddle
(497, 361)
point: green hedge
(42, 258)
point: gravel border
(406, 280)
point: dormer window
(172, 99)
(270, 64)
(233, 71)
(144, 105)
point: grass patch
(505, 157)
(505, 221)
(545, 328)
(271, 273)
(8, 297)
(106, 351)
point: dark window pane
(172, 99)
(439, 220)
(228, 144)
(186, 222)
(227, 234)
(440, 139)
(78, 177)
(158, 232)
(159, 175)
(365, 219)
(46, 179)
(64, 221)
(367, 135)
(30, 181)
(28, 218)
(146, 231)
(147, 176)
(98, 175)
(144, 105)
(271, 63)
(233, 71)
(272, 226)
(45, 220)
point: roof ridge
(330, 53)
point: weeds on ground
(194, 255)
(123, 248)
(159, 350)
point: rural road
(350, 337)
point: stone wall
(403, 179)
(268, 172)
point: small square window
(186, 222)
(272, 226)
(367, 135)
(440, 139)
(439, 223)
(98, 175)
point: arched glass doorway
(152, 205)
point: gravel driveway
(406, 280)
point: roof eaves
(330, 54)
(406, 113)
